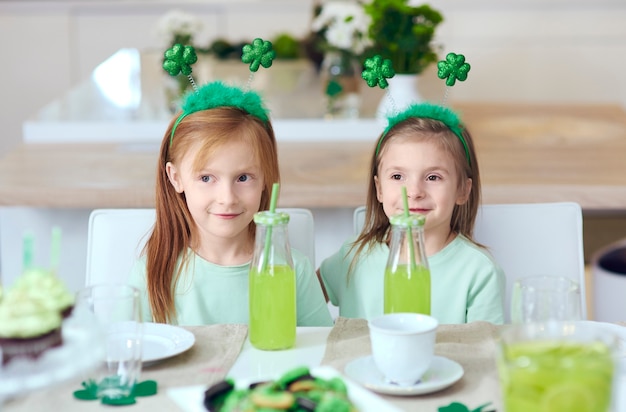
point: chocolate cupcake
(28, 327)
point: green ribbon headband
(218, 94)
(428, 111)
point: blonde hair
(376, 225)
(174, 230)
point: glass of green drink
(557, 367)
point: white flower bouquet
(177, 26)
(344, 26)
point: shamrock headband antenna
(179, 58)
(378, 70)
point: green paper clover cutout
(453, 68)
(333, 88)
(459, 407)
(178, 59)
(89, 393)
(377, 71)
(258, 53)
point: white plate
(190, 398)
(618, 330)
(442, 373)
(162, 341)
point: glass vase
(401, 93)
(340, 76)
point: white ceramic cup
(114, 311)
(403, 346)
(545, 298)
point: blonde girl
(428, 150)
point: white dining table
(222, 351)
(257, 365)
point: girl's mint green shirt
(207, 293)
(466, 283)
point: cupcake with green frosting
(47, 287)
(28, 327)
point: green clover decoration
(178, 59)
(453, 68)
(377, 71)
(333, 88)
(141, 389)
(258, 53)
(459, 407)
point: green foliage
(222, 49)
(286, 46)
(403, 34)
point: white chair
(529, 239)
(358, 219)
(116, 238)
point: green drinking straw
(28, 246)
(405, 200)
(268, 233)
(55, 248)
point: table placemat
(208, 361)
(472, 345)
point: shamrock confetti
(178, 59)
(459, 407)
(333, 88)
(377, 71)
(145, 388)
(259, 53)
(453, 68)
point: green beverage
(556, 376)
(407, 289)
(273, 307)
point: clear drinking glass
(545, 298)
(114, 311)
(557, 367)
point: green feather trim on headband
(217, 94)
(428, 111)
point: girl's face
(430, 176)
(224, 195)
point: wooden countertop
(526, 153)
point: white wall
(520, 51)
(49, 46)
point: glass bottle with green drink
(407, 276)
(272, 285)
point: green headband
(217, 94)
(428, 111)
(178, 60)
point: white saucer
(162, 341)
(442, 373)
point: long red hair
(174, 230)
